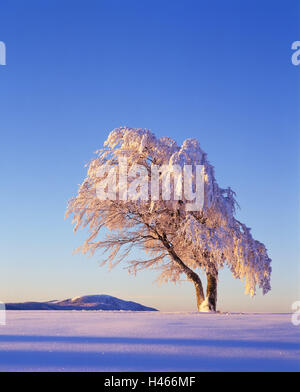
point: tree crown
(205, 239)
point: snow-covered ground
(153, 341)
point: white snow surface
(148, 341)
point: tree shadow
(258, 344)
(148, 354)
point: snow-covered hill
(88, 302)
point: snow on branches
(177, 239)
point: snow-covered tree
(177, 240)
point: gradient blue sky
(219, 71)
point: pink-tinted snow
(148, 341)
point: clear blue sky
(219, 71)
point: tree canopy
(175, 238)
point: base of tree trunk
(209, 304)
(206, 307)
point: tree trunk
(191, 275)
(205, 305)
(211, 291)
(199, 291)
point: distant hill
(88, 302)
